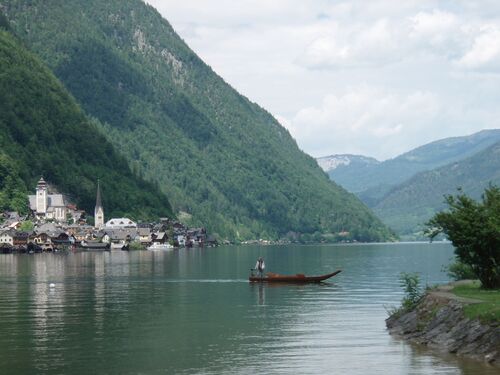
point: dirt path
(444, 292)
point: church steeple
(99, 210)
(41, 197)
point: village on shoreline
(54, 225)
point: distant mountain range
(223, 161)
(407, 190)
(407, 206)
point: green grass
(486, 311)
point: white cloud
(367, 116)
(440, 33)
(336, 45)
(434, 25)
(484, 54)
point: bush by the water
(411, 284)
(473, 228)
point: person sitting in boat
(259, 266)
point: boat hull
(276, 278)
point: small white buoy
(52, 285)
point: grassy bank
(488, 310)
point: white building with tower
(48, 206)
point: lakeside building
(48, 206)
(7, 237)
(120, 223)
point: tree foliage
(13, 191)
(474, 229)
(44, 132)
(459, 271)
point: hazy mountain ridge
(408, 206)
(372, 181)
(219, 157)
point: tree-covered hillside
(410, 205)
(44, 132)
(223, 161)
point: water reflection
(262, 295)
(194, 311)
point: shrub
(411, 284)
(460, 271)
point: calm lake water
(193, 311)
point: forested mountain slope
(44, 132)
(407, 207)
(371, 181)
(220, 158)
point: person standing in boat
(259, 266)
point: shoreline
(438, 322)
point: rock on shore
(438, 321)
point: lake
(192, 311)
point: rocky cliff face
(438, 321)
(332, 162)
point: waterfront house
(120, 236)
(62, 239)
(7, 237)
(144, 235)
(159, 237)
(40, 238)
(21, 238)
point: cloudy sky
(375, 77)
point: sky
(369, 77)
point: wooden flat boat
(298, 278)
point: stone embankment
(438, 321)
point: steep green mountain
(371, 181)
(408, 206)
(44, 132)
(223, 161)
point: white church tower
(41, 197)
(98, 211)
